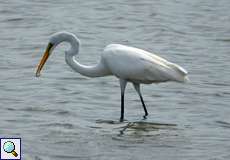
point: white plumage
(129, 64)
(139, 66)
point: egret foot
(145, 117)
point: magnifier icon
(9, 147)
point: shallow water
(63, 115)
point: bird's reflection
(138, 127)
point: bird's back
(137, 65)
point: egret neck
(97, 70)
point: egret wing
(136, 65)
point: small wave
(63, 112)
(64, 125)
(14, 19)
(44, 110)
(223, 124)
(64, 142)
(36, 109)
(68, 157)
(223, 40)
(217, 84)
(37, 158)
(73, 78)
(108, 121)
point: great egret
(128, 64)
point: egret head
(54, 40)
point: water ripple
(223, 124)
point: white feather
(137, 65)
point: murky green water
(63, 115)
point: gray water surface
(64, 115)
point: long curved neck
(89, 71)
(98, 70)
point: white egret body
(129, 64)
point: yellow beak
(44, 59)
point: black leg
(122, 85)
(122, 108)
(143, 104)
(137, 87)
